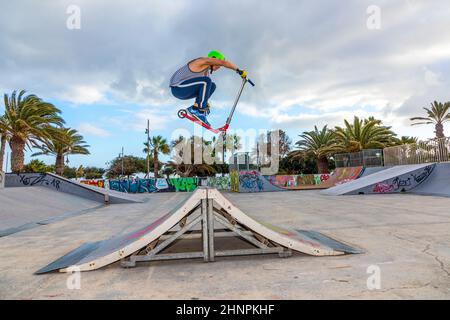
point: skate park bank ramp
(437, 183)
(342, 176)
(254, 181)
(217, 217)
(371, 170)
(60, 184)
(396, 179)
(21, 210)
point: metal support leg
(210, 221)
(205, 235)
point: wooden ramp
(204, 214)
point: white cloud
(93, 129)
(311, 61)
(83, 95)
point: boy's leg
(201, 88)
(211, 91)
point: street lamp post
(147, 131)
(121, 156)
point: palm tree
(156, 145)
(438, 115)
(63, 141)
(363, 134)
(80, 172)
(319, 144)
(3, 139)
(405, 140)
(27, 119)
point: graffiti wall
(155, 185)
(33, 179)
(220, 183)
(294, 181)
(95, 182)
(2, 179)
(402, 183)
(140, 185)
(253, 181)
(250, 181)
(234, 181)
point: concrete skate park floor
(406, 236)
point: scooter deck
(183, 114)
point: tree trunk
(439, 130)
(322, 165)
(17, 154)
(2, 151)
(59, 165)
(155, 163)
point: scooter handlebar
(241, 73)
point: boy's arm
(215, 62)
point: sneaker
(208, 108)
(202, 117)
(198, 114)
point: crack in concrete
(426, 251)
(405, 287)
(436, 257)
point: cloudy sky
(314, 63)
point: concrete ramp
(254, 181)
(216, 213)
(61, 184)
(438, 182)
(371, 170)
(27, 208)
(392, 180)
(341, 176)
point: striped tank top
(185, 73)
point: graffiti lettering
(250, 180)
(184, 184)
(27, 180)
(221, 183)
(404, 183)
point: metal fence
(366, 158)
(436, 150)
(242, 161)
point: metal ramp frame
(205, 214)
(210, 214)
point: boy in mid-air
(193, 81)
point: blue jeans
(200, 88)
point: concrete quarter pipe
(147, 243)
(254, 181)
(396, 179)
(61, 184)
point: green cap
(216, 54)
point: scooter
(183, 113)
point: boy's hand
(242, 73)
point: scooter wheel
(182, 113)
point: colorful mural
(220, 183)
(234, 181)
(184, 184)
(155, 185)
(96, 183)
(295, 181)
